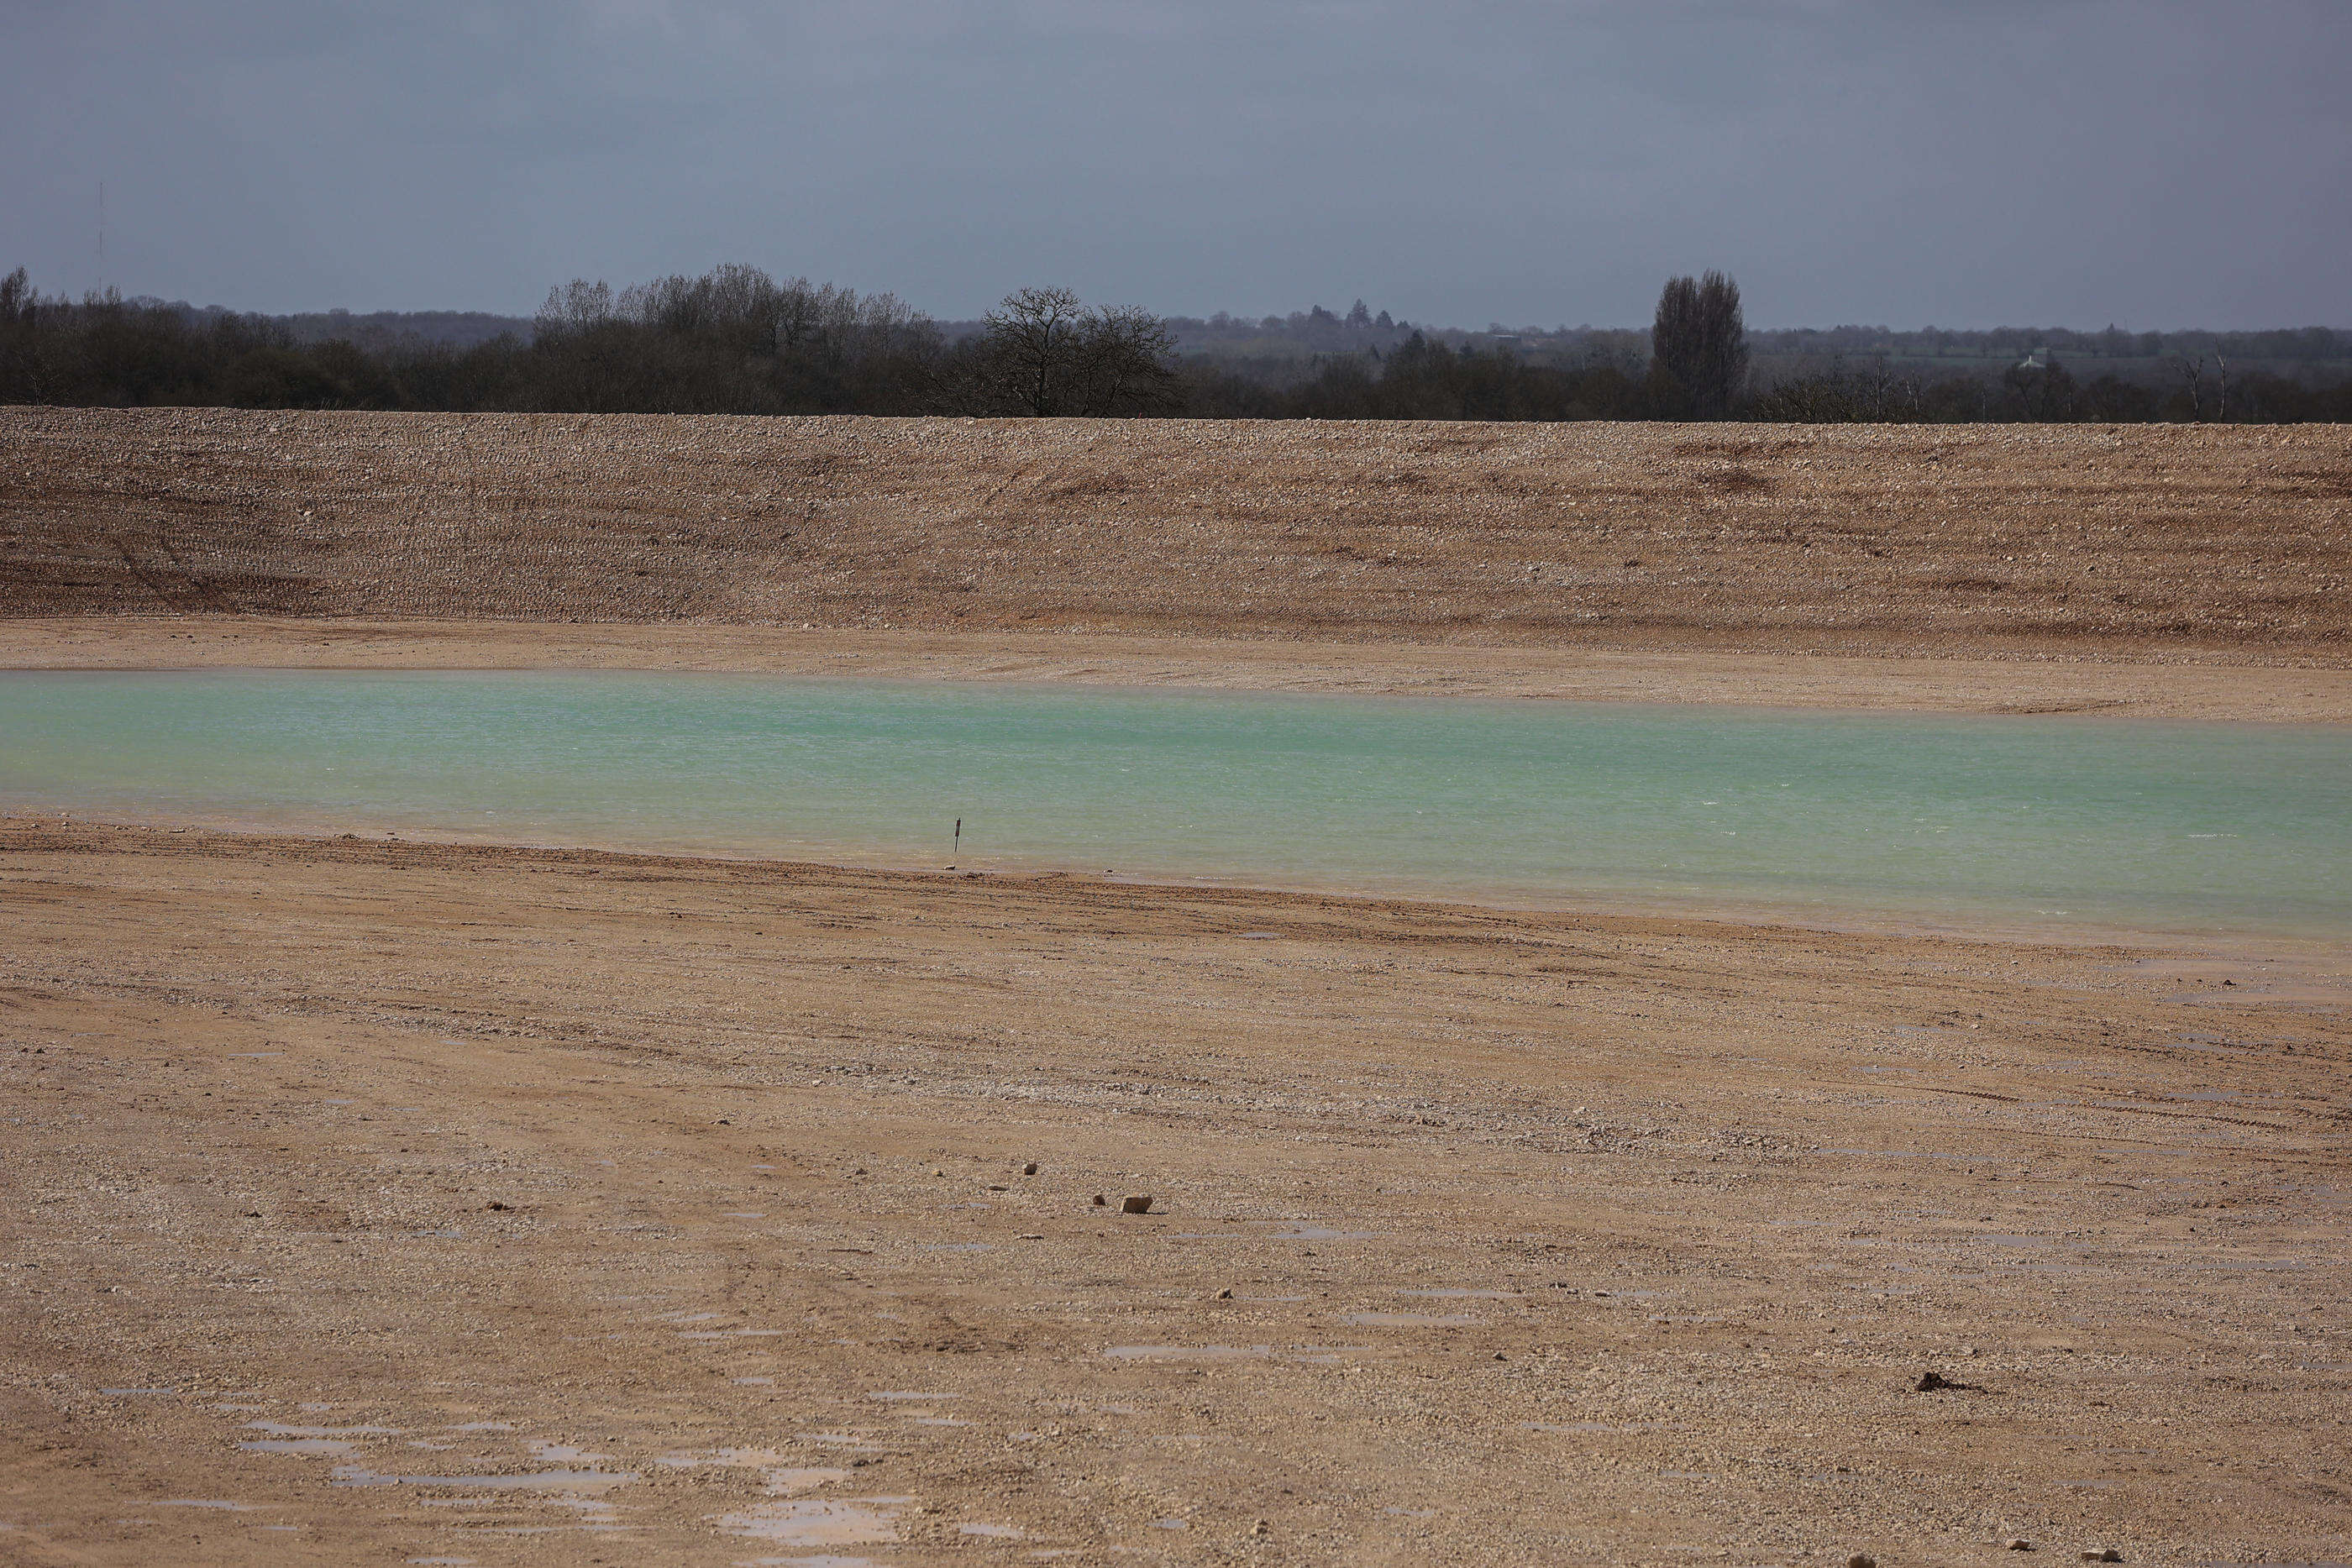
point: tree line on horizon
(737, 341)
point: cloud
(1960, 161)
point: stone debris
(2218, 535)
(1029, 1169)
(1135, 1203)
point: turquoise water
(2043, 819)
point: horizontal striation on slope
(1872, 535)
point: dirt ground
(2141, 543)
(375, 1203)
(370, 1202)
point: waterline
(2104, 822)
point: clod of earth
(1135, 1203)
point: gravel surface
(1855, 539)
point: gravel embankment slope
(2064, 538)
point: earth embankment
(2139, 540)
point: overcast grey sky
(1961, 162)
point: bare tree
(1044, 354)
(2193, 371)
(1032, 342)
(1700, 341)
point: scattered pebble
(1101, 1202)
(1225, 1295)
(1029, 1169)
(1861, 1559)
(2018, 1544)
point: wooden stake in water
(958, 849)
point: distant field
(2139, 540)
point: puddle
(1899, 1153)
(279, 1429)
(903, 1393)
(801, 1479)
(818, 1521)
(1171, 1524)
(1190, 1353)
(1407, 1319)
(1322, 1233)
(323, 1446)
(994, 1531)
(529, 1480)
(1409, 1513)
(1464, 1295)
(482, 1427)
(740, 1214)
(138, 1391)
(548, 1453)
(198, 1503)
(1590, 1426)
(835, 1440)
(752, 1381)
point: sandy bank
(2137, 542)
(2116, 688)
(691, 1195)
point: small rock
(1135, 1203)
(1861, 1559)
(1029, 1169)
(1930, 1382)
(2018, 1544)
(2107, 1554)
(1101, 1202)
(1262, 1528)
(1225, 1295)
(496, 1206)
